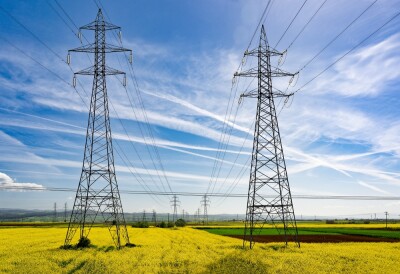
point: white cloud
(9, 184)
(374, 188)
(365, 72)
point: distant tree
(141, 224)
(180, 222)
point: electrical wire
(290, 24)
(120, 120)
(147, 123)
(201, 194)
(305, 26)
(337, 36)
(51, 50)
(344, 55)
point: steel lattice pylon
(269, 198)
(97, 196)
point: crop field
(391, 234)
(318, 233)
(186, 250)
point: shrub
(162, 224)
(170, 224)
(180, 222)
(83, 242)
(141, 224)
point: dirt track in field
(320, 238)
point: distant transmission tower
(55, 212)
(65, 212)
(154, 218)
(97, 194)
(205, 202)
(144, 216)
(269, 197)
(175, 203)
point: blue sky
(340, 132)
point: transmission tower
(144, 216)
(269, 198)
(198, 215)
(65, 212)
(97, 195)
(175, 204)
(55, 212)
(205, 202)
(154, 218)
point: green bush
(170, 224)
(162, 224)
(141, 224)
(180, 223)
(83, 242)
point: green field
(393, 234)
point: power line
(229, 109)
(43, 66)
(201, 194)
(259, 23)
(119, 119)
(51, 71)
(291, 22)
(344, 55)
(337, 36)
(35, 36)
(237, 157)
(66, 14)
(147, 123)
(62, 19)
(305, 26)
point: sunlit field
(184, 250)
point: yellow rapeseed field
(185, 250)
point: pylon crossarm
(276, 94)
(92, 70)
(91, 48)
(95, 24)
(254, 72)
(256, 51)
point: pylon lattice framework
(205, 203)
(97, 195)
(175, 204)
(268, 174)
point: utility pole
(386, 214)
(175, 204)
(269, 197)
(97, 195)
(205, 202)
